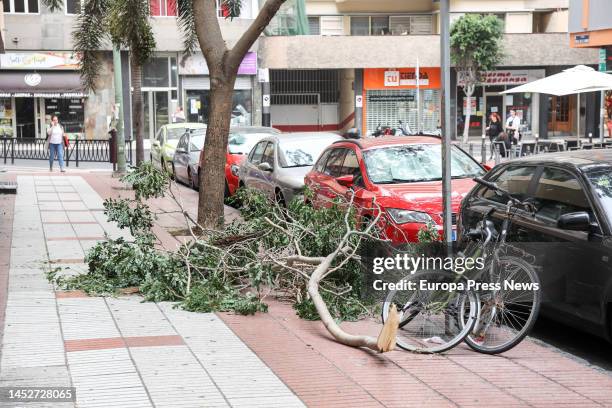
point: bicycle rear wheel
(429, 315)
(506, 315)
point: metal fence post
(4, 149)
(12, 151)
(77, 151)
(483, 149)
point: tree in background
(126, 24)
(199, 23)
(475, 48)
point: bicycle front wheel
(506, 315)
(429, 303)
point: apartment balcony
(335, 52)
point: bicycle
(490, 321)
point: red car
(241, 141)
(402, 175)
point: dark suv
(569, 238)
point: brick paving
(115, 351)
(121, 352)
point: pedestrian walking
(56, 140)
(179, 115)
(494, 129)
(513, 127)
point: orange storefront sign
(401, 78)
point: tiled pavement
(121, 352)
(115, 351)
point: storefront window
(6, 117)
(521, 103)
(198, 102)
(70, 113)
(155, 73)
(477, 118)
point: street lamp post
(446, 125)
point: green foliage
(475, 43)
(225, 270)
(147, 181)
(343, 308)
(215, 295)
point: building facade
(363, 64)
(590, 26)
(39, 74)
(375, 48)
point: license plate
(454, 235)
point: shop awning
(41, 84)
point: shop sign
(32, 79)
(391, 98)
(505, 77)
(392, 78)
(39, 60)
(195, 64)
(581, 38)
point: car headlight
(234, 169)
(406, 216)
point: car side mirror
(486, 166)
(346, 181)
(575, 221)
(264, 166)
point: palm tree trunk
(137, 109)
(212, 180)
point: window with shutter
(421, 24)
(399, 25)
(360, 25)
(314, 25)
(331, 25)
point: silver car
(277, 164)
(187, 157)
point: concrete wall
(53, 31)
(316, 52)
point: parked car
(569, 238)
(277, 164)
(402, 174)
(165, 141)
(241, 141)
(187, 157)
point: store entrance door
(25, 110)
(495, 104)
(561, 113)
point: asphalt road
(593, 349)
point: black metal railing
(78, 150)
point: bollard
(537, 145)
(590, 137)
(483, 150)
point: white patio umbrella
(576, 80)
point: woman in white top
(55, 137)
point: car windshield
(242, 143)
(299, 153)
(414, 163)
(176, 133)
(197, 143)
(600, 177)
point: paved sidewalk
(121, 352)
(115, 351)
